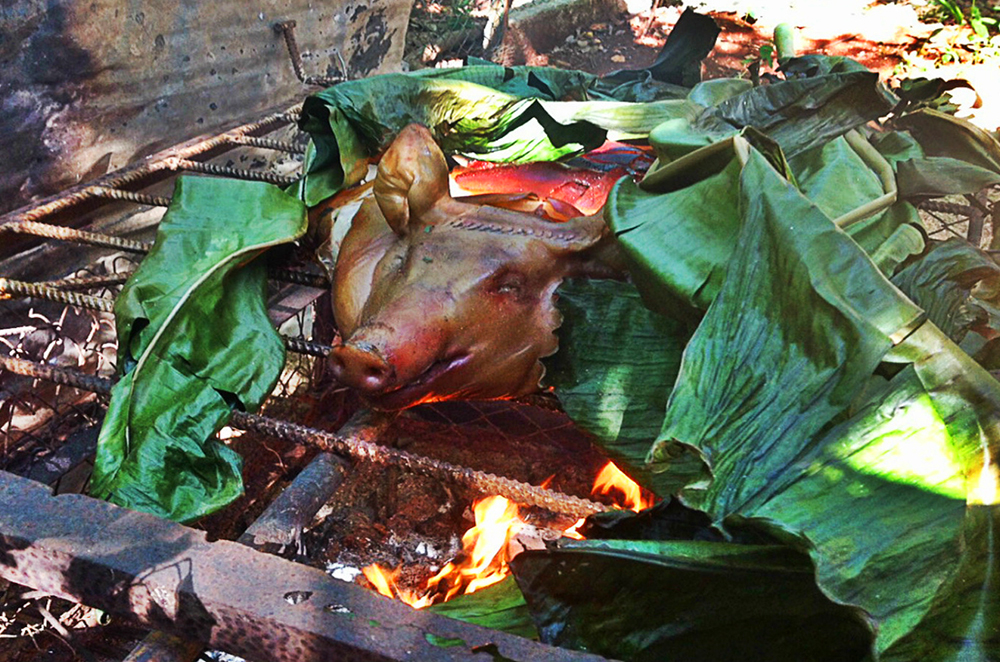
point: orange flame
(484, 558)
(622, 489)
(486, 553)
(611, 479)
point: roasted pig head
(437, 298)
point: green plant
(980, 24)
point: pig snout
(361, 367)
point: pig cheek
(505, 358)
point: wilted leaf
(941, 283)
(678, 243)
(614, 372)
(686, 601)
(498, 607)
(800, 323)
(803, 113)
(194, 342)
(940, 134)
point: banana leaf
(499, 607)
(686, 601)
(837, 179)
(677, 243)
(883, 497)
(943, 135)
(809, 66)
(799, 327)
(941, 282)
(800, 114)
(614, 371)
(943, 155)
(194, 342)
(679, 61)
(466, 118)
(668, 519)
(938, 176)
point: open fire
(487, 549)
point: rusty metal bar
(130, 196)
(358, 449)
(297, 277)
(84, 197)
(287, 30)
(87, 282)
(267, 143)
(16, 288)
(307, 347)
(238, 173)
(78, 236)
(486, 483)
(222, 594)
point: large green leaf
(943, 135)
(686, 601)
(677, 243)
(835, 177)
(614, 370)
(937, 176)
(882, 498)
(941, 282)
(803, 113)
(498, 607)
(950, 157)
(838, 180)
(194, 342)
(801, 321)
(466, 118)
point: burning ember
(612, 480)
(483, 561)
(626, 493)
(486, 547)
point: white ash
(342, 571)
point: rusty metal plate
(91, 86)
(222, 594)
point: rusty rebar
(287, 30)
(487, 483)
(268, 143)
(87, 282)
(17, 288)
(61, 233)
(297, 277)
(307, 347)
(155, 165)
(946, 207)
(356, 448)
(130, 196)
(72, 378)
(237, 173)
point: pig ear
(412, 177)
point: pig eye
(508, 282)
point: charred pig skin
(437, 298)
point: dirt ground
(904, 39)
